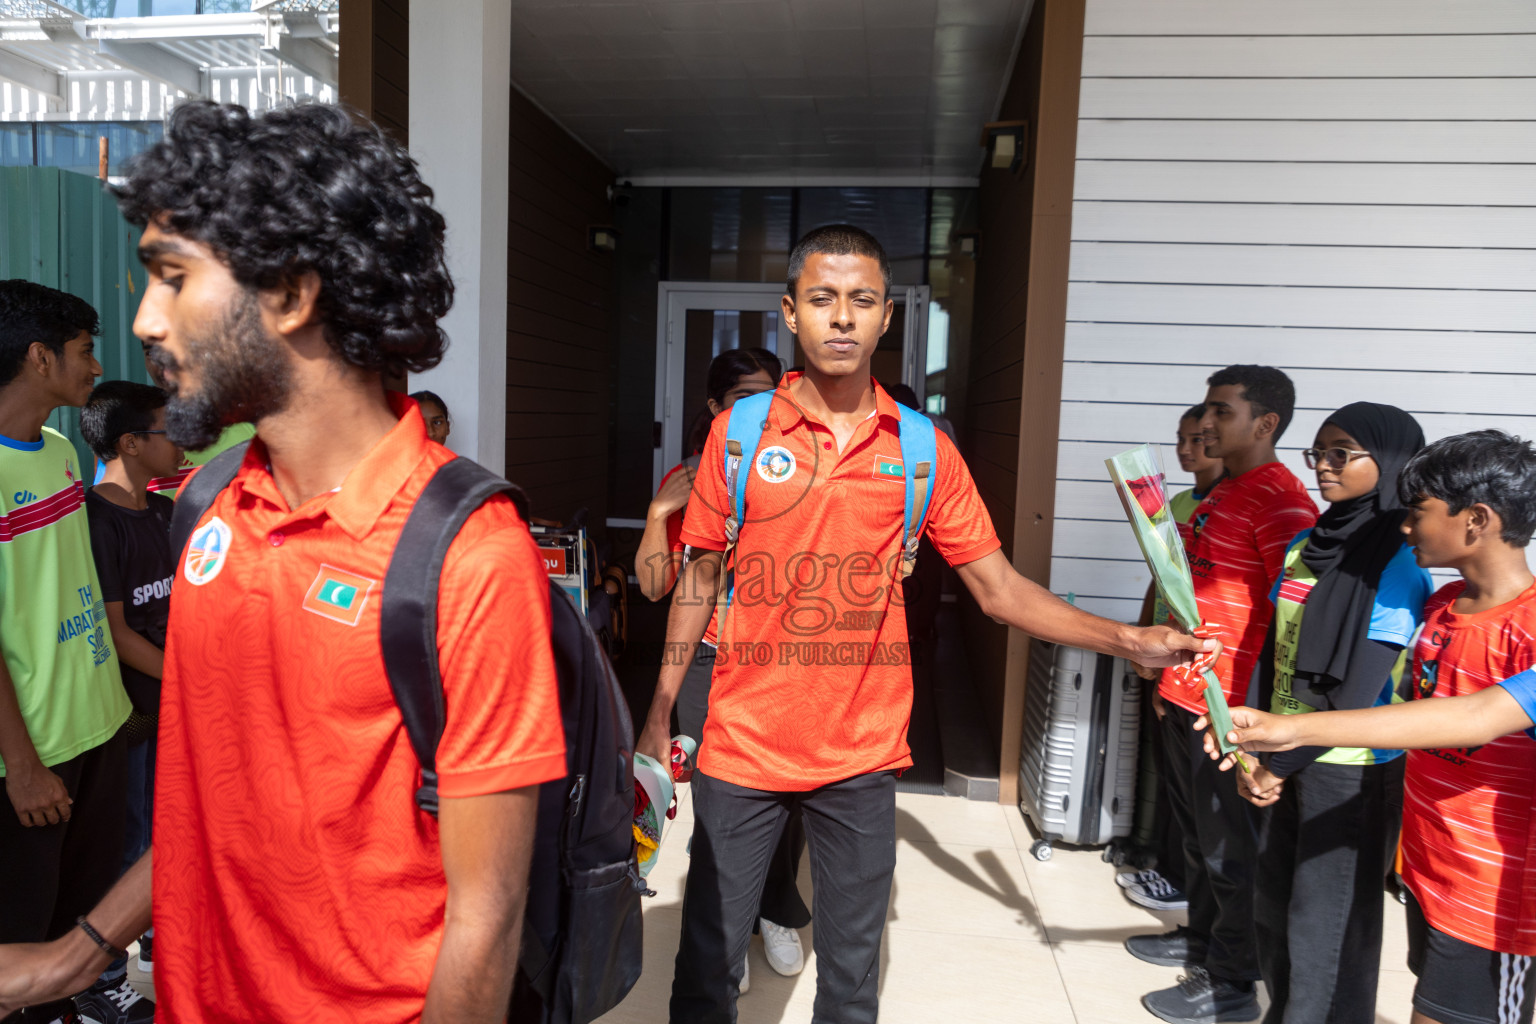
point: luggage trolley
(564, 553)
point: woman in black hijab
(1346, 608)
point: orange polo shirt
(813, 682)
(294, 877)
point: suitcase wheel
(1041, 850)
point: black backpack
(581, 945)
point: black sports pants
(52, 874)
(1220, 832)
(782, 903)
(850, 827)
(1323, 851)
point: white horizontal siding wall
(1346, 191)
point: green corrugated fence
(63, 230)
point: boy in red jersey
(1238, 538)
(1469, 820)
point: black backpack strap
(197, 495)
(408, 612)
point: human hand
(1156, 647)
(655, 742)
(1252, 730)
(673, 494)
(1158, 707)
(38, 796)
(1260, 787)
(1149, 674)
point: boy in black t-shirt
(124, 423)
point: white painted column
(461, 79)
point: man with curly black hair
(294, 260)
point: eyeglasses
(148, 431)
(1335, 458)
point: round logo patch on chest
(207, 552)
(776, 464)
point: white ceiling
(780, 90)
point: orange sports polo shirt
(813, 682)
(294, 877)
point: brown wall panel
(560, 320)
(1015, 370)
(373, 66)
(997, 354)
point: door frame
(675, 298)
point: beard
(243, 376)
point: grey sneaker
(1200, 999)
(1178, 948)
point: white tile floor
(978, 931)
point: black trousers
(1220, 832)
(52, 874)
(782, 903)
(1323, 851)
(1168, 841)
(851, 831)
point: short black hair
(735, 363)
(303, 188)
(836, 240)
(1194, 412)
(1487, 467)
(1265, 388)
(115, 408)
(430, 396)
(31, 312)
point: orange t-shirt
(294, 877)
(813, 683)
(1469, 815)
(1236, 542)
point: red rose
(1149, 494)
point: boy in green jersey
(62, 701)
(1162, 887)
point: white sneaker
(746, 975)
(782, 947)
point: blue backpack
(743, 431)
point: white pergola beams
(45, 82)
(156, 63)
(309, 56)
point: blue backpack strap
(743, 431)
(920, 466)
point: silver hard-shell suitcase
(1077, 762)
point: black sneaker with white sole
(1199, 998)
(114, 1002)
(1153, 891)
(1178, 948)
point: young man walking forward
(813, 688)
(294, 259)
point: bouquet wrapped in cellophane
(1138, 477)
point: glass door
(696, 321)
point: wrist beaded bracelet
(95, 936)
